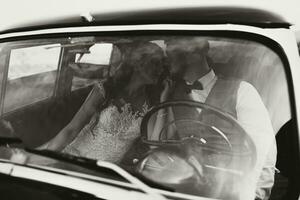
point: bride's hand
(43, 147)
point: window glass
(3, 59)
(31, 75)
(90, 65)
(98, 54)
(196, 114)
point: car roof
(180, 15)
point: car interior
(246, 62)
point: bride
(108, 122)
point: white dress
(109, 134)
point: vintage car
(49, 68)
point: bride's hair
(134, 62)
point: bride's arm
(88, 70)
(82, 117)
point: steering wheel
(214, 130)
(179, 147)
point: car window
(196, 114)
(32, 73)
(3, 60)
(99, 55)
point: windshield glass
(196, 114)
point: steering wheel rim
(189, 103)
(202, 124)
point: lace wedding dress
(109, 134)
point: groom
(196, 80)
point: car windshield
(195, 114)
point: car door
(40, 91)
(29, 86)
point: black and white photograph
(150, 100)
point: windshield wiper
(86, 163)
(9, 140)
(134, 180)
(106, 167)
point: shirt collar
(207, 78)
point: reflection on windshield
(184, 112)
